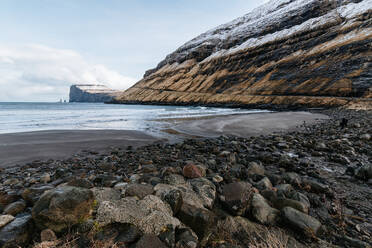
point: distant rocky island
(288, 53)
(91, 93)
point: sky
(47, 45)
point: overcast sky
(47, 45)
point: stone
(264, 184)
(205, 189)
(281, 203)
(174, 199)
(31, 195)
(284, 190)
(45, 178)
(149, 240)
(47, 235)
(365, 137)
(15, 208)
(150, 214)
(301, 198)
(189, 196)
(186, 238)
(262, 211)
(11, 181)
(364, 172)
(292, 178)
(217, 178)
(17, 233)
(120, 233)
(174, 179)
(236, 197)
(6, 198)
(80, 182)
(200, 220)
(5, 219)
(139, 190)
(315, 186)
(106, 194)
(192, 171)
(63, 207)
(168, 236)
(255, 169)
(301, 222)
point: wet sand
(21, 148)
(247, 125)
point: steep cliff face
(91, 93)
(286, 52)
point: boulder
(186, 238)
(47, 235)
(120, 233)
(255, 169)
(364, 172)
(174, 179)
(63, 207)
(205, 189)
(18, 233)
(262, 211)
(174, 199)
(192, 171)
(31, 195)
(301, 222)
(150, 214)
(15, 208)
(149, 240)
(236, 197)
(80, 182)
(264, 184)
(5, 219)
(200, 220)
(281, 203)
(139, 190)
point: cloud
(41, 73)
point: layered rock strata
(91, 93)
(286, 52)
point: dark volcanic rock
(17, 233)
(62, 207)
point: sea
(38, 116)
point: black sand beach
(20, 148)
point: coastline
(287, 180)
(27, 147)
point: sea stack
(284, 53)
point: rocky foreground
(308, 188)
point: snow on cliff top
(250, 28)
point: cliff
(91, 93)
(286, 52)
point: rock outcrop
(286, 52)
(91, 93)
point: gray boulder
(150, 214)
(301, 222)
(18, 233)
(63, 207)
(236, 197)
(262, 211)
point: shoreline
(27, 147)
(285, 182)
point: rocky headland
(306, 188)
(91, 93)
(287, 53)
